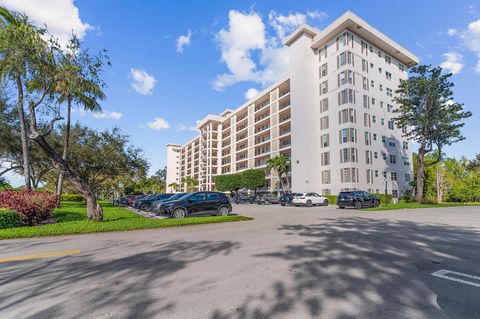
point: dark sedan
(198, 203)
(357, 199)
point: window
(368, 138)
(365, 83)
(212, 196)
(381, 104)
(325, 158)
(326, 191)
(347, 135)
(391, 142)
(406, 161)
(393, 159)
(388, 75)
(382, 121)
(345, 58)
(376, 175)
(323, 70)
(407, 178)
(366, 120)
(405, 145)
(388, 59)
(374, 119)
(364, 47)
(346, 96)
(324, 105)
(322, 53)
(393, 176)
(197, 197)
(372, 83)
(379, 53)
(384, 138)
(374, 136)
(349, 175)
(395, 193)
(381, 87)
(389, 92)
(389, 108)
(323, 87)
(366, 101)
(368, 157)
(380, 70)
(345, 77)
(364, 65)
(326, 177)
(325, 140)
(401, 67)
(375, 155)
(391, 124)
(347, 115)
(384, 156)
(324, 123)
(348, 155)
(369, 176)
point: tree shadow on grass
(369, 268)
(86, 286)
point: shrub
(9, 219)
(33, 207)
(332, 199)
(429, 199)
(382, 198)
(72, 197)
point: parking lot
(289, 262)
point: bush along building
(332, 115)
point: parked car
(286, 199)
(267, 199)
(357, 199)
(156, 207)
(309, 200)
(132, 200)
(145, 204)
(243, 199)
(198, 203)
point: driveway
(319, 262)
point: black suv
(286, 199)
(357, 199)
(156, 207)
(198, 203)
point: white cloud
(158, 123)
(453, 62)
(251, 93)
(471, 39)
(113, 115)
(62, 17)
(183, 41)
(284, 25)
(183, 127)
(142, 82)
(317, 14)
(452, 32)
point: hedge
(72, 197)
(33, 207)
(9, 219)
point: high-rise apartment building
(332, 115)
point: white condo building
(332, 115)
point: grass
(72, 219)
(418, 205)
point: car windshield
(149, 196)
(177, 196)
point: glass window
(197, 197)
(212, 196)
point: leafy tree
(175, 186)
(253, 179)
(281, 166)
(229, 182)
(429, 116)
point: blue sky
(176, 61)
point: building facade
(332, 115)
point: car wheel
(223, 211)
(145, 208)
(325, 202)
(341, 207)
(179, 213)
(282, 204)
(358, 205)
(309, 203)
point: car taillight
(302, 197)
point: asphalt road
(318, 262)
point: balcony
(242, 117)
(262, 128)
(262, 139)
(285, 118)
(284, 105)
(284, 92)
(262, 105)
(285, 144)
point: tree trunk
(420, 174)
(66, 143)
(94, 210)
(439, 181)
(23, 136)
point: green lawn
(72, 219)
(418, 205)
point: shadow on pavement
(84, 286)
(369, 268)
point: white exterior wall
(173, 166)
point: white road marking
(443, 273)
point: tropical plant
(175, 186)
(190, 183)
(429, 116)
(281, 166)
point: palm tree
(17, 34)
(273, 164)
(284, 164)
(174, 185)
(76, 87)
(190, 183)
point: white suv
(309, 200)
